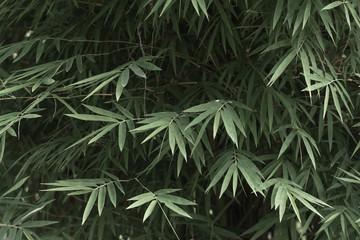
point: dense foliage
(164, 119)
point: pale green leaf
(227, 178)
(177, 209)
(172, 137)
(89, 205)
(141, 201)
(229, 125)
(124, 77)
(121, 135)
(112, 193)
(149, 209)
(332, 5)
(101, 199)
(89, 117)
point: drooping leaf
(89, 205)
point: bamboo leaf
(89, 205)
(332, 5)
(35, 224)
(79, 63)
(287, 142)
(101, 199)
(277, 13)
(283, 65)
(121, 135)
(103, 132)
(149, 210)
(144, 199)
(15, 187)
(172, 137)
(124, 77)
(229, 125)
(40, 50)
(137, 71)
(89, 117)
(227, 178)
(112, 193)
(177, 209)
(216, 123)
(148, 66)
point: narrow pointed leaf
(89, 205)
(112, 193)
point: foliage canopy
(201, 119)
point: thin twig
(168, 220)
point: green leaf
(204, 107)
(119, 89)
(88, 117)
(227, 178)
(149, 209)
(104, 112)
(277, 13)
(103, 84)
(216, 123)
(294, 206)
(181, 144)
(202, 5)
(40, 49)
(112, 193)
(309, 150)
(336, 101)
(121, 135)
(89, 205)
(154, 133)
(137, 70)
(69, 64)
(35, 224)
(332, 5)
(172, 129)
(148, 66)
(306, 69)
(229, 125)
(101, 199)
(166, 191)
(287, 142)
(201, 117)
(218, 175)
(119, 186)
(280, 201)
(195, 5)
(14, 88)
(103, 132)
(144, 199)
(177, 209)
(2, 147)
(278, 70)
(124, 77)
(15, 187)
(174, 199)
(235, 180)
(306, 13)
(27, 234)
(79, 63)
